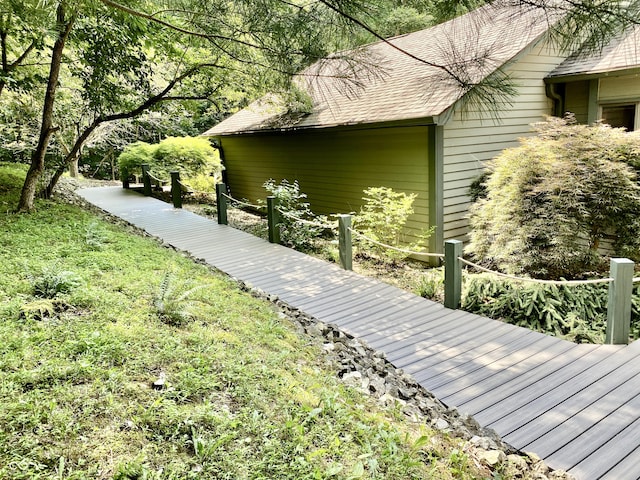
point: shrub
(578, 313)
(189, 155)
(133, 156)
(291, 203)
(552, 202)
(193, 157)
(383, 218)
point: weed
(54, 281)
(95, 236)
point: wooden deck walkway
(577, 406)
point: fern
(172, 305)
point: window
(621, 116)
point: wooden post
(452, 273)
(273, 217)
(146, 179)
(619, 305)
(221, 202)
(176, 190)
(344, 242)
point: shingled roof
(401, 86)
(622, 53)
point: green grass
(244, 395)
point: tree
(553, 200)
(123, 60)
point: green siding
(577, 100)
(333, 167)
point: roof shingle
(401, 86)
(621, 53)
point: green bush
(188, 155)
(291, 203)
(554, 201)
(383, 218)
(133, 156)
(193, 157)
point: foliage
(133, 156)
(403, 19)
(383, 218)
(173, 304)
(431, 285)
(245, 396)
(553, 201)
(577, 313)
(53, 281)
(191, 156)
(299, 226)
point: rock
(481, 442)
(518, 462)
(328, 347)
(441, 424)
(159, 383)
(491, 458)
(353, 379)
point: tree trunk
(48, 190)
(73, 168)
(36, 169)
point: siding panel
(333, 168)
(470, 141)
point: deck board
(578, 406)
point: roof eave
(574, 77)
(422, 121)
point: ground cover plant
(123, 359)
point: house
(411, 123)
(603, 86)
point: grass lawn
(123, 359)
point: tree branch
(176, 28)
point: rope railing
(536, 280)
(185, 188)
(391, 247)
(244, 204)
(306, 222)
(156, 179)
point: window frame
(636, 103)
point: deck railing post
(146, 179)
(452, 273)
(345, 243)
(221, 203)
(176, 191)
(619, 304)
(273, 217)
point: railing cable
(536, 280)
(390, 247)
(244, 204)
(306, 222)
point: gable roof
(402, 87)
(620, 54)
